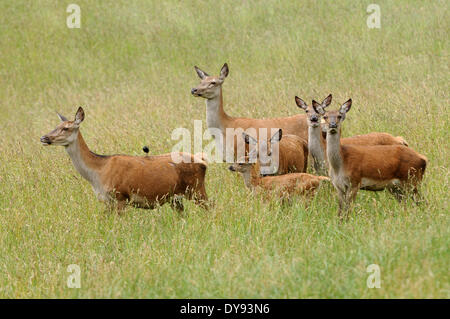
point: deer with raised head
(317, 143)
(281, 186)
(143, 181)
(352, 167)
(210, 88)
(290, 155)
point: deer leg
(341, 197)
(201, 198)
(417, 196)
(117, 205)
(177, 203)
(350, 198)
(397, 192)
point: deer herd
(374, 161)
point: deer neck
(215, 115)
(334, 153)
(317, 146)
(86, 163)
(255, 175)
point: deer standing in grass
(210, 88)
(143, 181)
(317, 143)
(281, 154)
(282, 186)
(352, 167)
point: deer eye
(306, 111)
(325, 117)
(65, 128)
(339, 116)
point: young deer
(317, 143)
(210, 88)
(290, 157)
(282, 186)
(352, 167)
(143, 181)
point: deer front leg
(341, 198)
(350, 197)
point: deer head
(333, 119)
(66, 132)
(267, 151)
(209, 86)
(312, 116)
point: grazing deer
(282, 186)
(352, 167)
(210, 88)
(317, 143)
(143, 181)
(291, 156)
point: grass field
(131, 66)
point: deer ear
(62, 117)
(317, 107)
(224, 72)
(327, 101)
(79, 116)
(346, 107)
(201, 74)
(248, 139)
(252, 156)
(276, 137)
(300, 103)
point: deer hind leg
(398, 192)
(177, 203)
(417, 196)
(198, 194)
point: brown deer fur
(210, 88)
(352, 167)
(292, 151)
(143, 181)
(317, 143)
(282, 186)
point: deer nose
(333, 125)
(45, 139)
(193, 90)
(231, 168)
(314, 118)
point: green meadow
(130, 66)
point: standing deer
(352, 167)
(143, 181)
(317, 143)
(210, 88)
(291, 156)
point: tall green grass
(131, 67)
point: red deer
(282, 186)
(352, 167)
(143, 181)
(291, 157)
(316, 141)
(210, 88)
